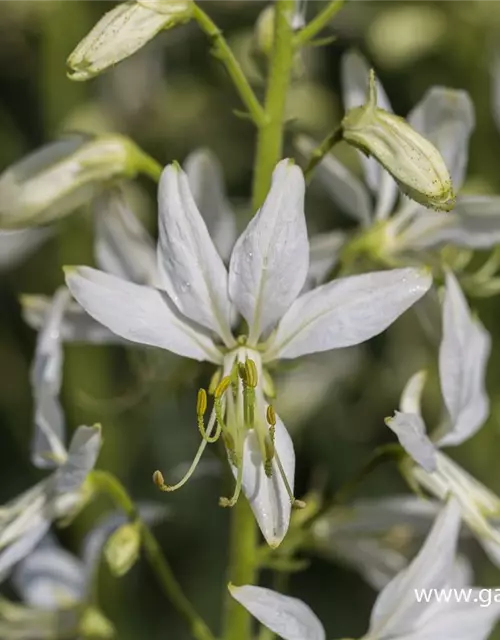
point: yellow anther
(299, 504)
(222, 387)
(242, 372)
(271, 415)
(201, 403)
(251, 373)
(214, 381)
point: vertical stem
(270, 137)
(243, 541)
(243, 567)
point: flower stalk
(107, 483)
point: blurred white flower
(16, 246)
(446, 118)
(25, 520)
(397, 614)
(463, 357)
(55, 587)
(193, 312)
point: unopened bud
(413, 161)
(123, 31)
(122, 548)
(93, 624)
(60, 177)
(158, 479)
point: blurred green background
(172, 98)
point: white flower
(463, 357)
(25, 520)
(192, 314)
(55, 587)
(397, 614)
(16, 246)
(375, 536)
(445, 117)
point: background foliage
(171, 98)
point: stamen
(298, 504)
(222, 387)
(228, 440)
(201, 403)
(158, 476)
(214, 382)
(251, 373)
(213, 417)
(230, 502)
(271, 419)
(270, 453)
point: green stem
(150, 167)
(243, 565)
(320, 152)
(242, 568)
(270, 138)
(318, 23)
(107, 483)
(223, 52)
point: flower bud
(53, 181)
(413, 161)
(122, 548)
(93, 624)
(123, 31)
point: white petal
(47, 447)
(270, 259)
(82, 456)
(412, 393)
(123, 247)
(23, 545)
(268, 497)
(205, 177)
(461, 620)
(288, 617)
(139, 313)
(355, 73)
(476, 222)
(342, 186)
(411, 433)
(16, 246)
(446, 117)
(396, 610)
(192, 271)
(76, 326)
(324, 251)
(463, 357)
(346, 312)
(50, 577)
